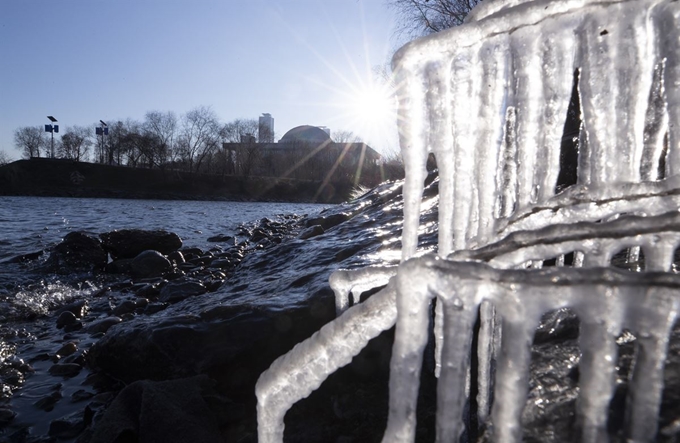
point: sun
(370, 109)
(373, 104)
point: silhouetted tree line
(195, 142)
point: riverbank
(175, 358)
(66, 178)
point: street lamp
(102, 130)
(52, 129)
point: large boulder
(78, 252)
(150, 264)
(170, 411)
(128, 243)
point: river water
(29, 224)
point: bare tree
(199, 136)
(423, 17)
(344, 136)
(248, 139)
(30, 140)
(75, 143)
(4, 158)
(163, 127)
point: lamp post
(103, 130)
(52, 128)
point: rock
(176, 257)
(70, 426)
(128, 243)
(149, 264)
(120, 266)
(310, 232)
(65, 369)
(67, 349)
(66, 318)
(328, 221)
(47, 403)
(152, 308)
(80, 395)
(6, 415)
(78, 252)
(177, 291)
(175, 411)
(125, 307)
(77, 326)
(221, 263)
(149, 290)
(103, 325)
(79, 308)
(221, 238)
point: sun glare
(371, 109)
(373, 105)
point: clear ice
(489, 99)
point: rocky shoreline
(162, 319)
(166, 342)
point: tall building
(266, 129)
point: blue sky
(303, 61)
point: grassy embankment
(65, 178)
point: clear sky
(303, 61)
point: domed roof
(305, 133)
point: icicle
(441, 143)
(656, 126)
(597, 340)
(357, 281)
(490, 124)
(465, 86)
(557, 66)
(667, 18)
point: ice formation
(489, 99)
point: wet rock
(149, 290)
(120, 266)
(177, 291)
(80, 395)
(67, 349)
(70, 426)
(329, 221)
(176, 257)
(103, 325)
(66, 318)
(312, 231)
(79, 308)
(152, 308)
(6, 415)
(124, 308)
(77, 326)
(78, 252)
(170, 411)
(221, 238)
(65, 369)
(47, 403)
(128, 243)
(221, 263)
(149, 264)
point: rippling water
(28, 224)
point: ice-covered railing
(606, 301)
(489, 99)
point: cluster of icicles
(489, 99)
